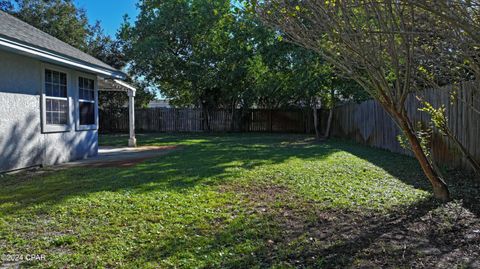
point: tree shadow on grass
(277, 227)
(282, 229)
(205, 160)
(463, 186)
(425, 234)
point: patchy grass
(241, 201)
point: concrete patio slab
(123, 157)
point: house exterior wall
(22, 140)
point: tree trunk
(316, 123)
(330, 115)
(233, 121)
(466, 154)
(440, 189)
(206, 118)
(233, 118)
(329, 123)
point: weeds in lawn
(241, 201)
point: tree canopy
(215, 54)
(65, 21)
(382, 45)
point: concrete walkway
(123, 157)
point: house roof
(21, 37)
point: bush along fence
(369, 124)
(195, 120)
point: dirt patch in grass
(425, 235)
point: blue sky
(109, 12)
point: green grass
(230, 201)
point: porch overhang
(120, 86)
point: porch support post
(132, 141)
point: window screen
(56, 97)
(86, 99)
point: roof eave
(59, 59)
(125, 85)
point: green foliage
(104, 47)
(217, 54)
(6, 5)
(65, 21)
(424, 136)
(403, 141)
(59, 18)
(115, 102)
(437, 115)
(180, 45)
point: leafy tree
(6, 6)
(65, 21)
(195, 51)
(214, 54)
(104, 47)
(288, 75)
(59, 18)
(375, 43)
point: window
(86, 101)
(56, 98)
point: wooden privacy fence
(366, 123)
(369, 124)
(194, 120)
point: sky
(108, 12)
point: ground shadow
(297, 233)
(463, 186)
(201, 160)
(23, 144)
(288, 230)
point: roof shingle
(19, 31)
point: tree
(179, 46)
(291, 76)
(215, 55)
(198, 52)
(372, 42)
(59, 18)
(455, 61)
(6, 6)
(65, 21)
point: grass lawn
(241, 201)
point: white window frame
(90, 127)
(55, 128)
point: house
(49, 98)
(159, 103)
